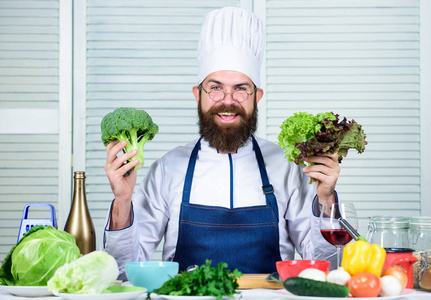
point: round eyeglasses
(239, 96)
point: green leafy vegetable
(93, 273)
(305, 135)
(203, 281)
(131, 125)
(37, 255)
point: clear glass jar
(422, 271)
(420, 241)
(420, 234)
(389, 231)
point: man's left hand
(325, 172)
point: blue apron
(246, 238)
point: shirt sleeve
(317, 205)
(139, 241)
(302, 218)
(120, 243)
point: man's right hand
(122, 186)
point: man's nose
(228, 98)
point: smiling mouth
(227, 116)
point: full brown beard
(228, 137)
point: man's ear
(196, 93)
(259, 94)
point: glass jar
(422, 271)
(420, 241)
(389, 231)
(420, 234)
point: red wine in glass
(330, 226)
(337, 237)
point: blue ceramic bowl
(151, 274)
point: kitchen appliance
(404, 258)
(27, 224)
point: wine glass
(331, 228)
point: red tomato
(399, 273)
(364, 285)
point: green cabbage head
(93, 273)
(37, 255)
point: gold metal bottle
(79, 223)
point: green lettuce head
(92, 273)
(36, 256)
(300, 128)
(304, 135)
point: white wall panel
(29, 101)
(359, 59)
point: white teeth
(226, 114)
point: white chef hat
(232, 39)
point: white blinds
(29, 53)
(359, 59)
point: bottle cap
(79, 175)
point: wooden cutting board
(257, 281)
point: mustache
(238, 110)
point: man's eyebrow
(214, 81)
(242, 84)
(219, 82)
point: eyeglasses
(239, 96)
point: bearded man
(227, 196)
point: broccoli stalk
(131, 125)
(135, 140)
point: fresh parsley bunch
(203, 281)
(304, 134)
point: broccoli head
(131, 125)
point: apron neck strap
(190, 171)
(267, 188)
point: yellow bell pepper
(360, 257)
